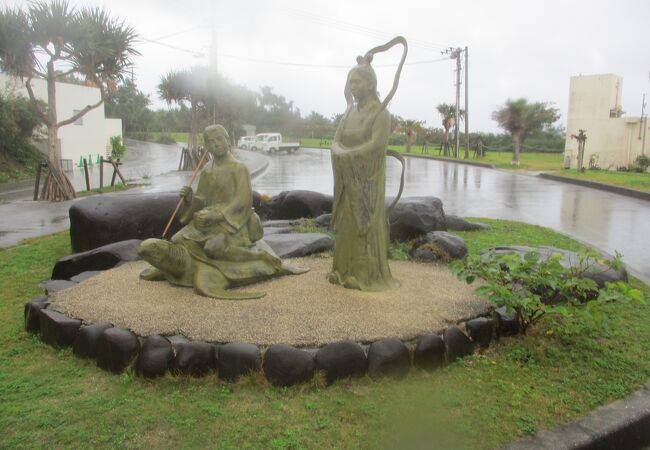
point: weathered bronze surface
(221, 244)
(359, 217)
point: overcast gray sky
(516, 48)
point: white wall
(90, 138)
(614, 139)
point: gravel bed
(300, 310)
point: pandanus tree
(411, 128)
(188, 88)
(448, 113)
(53, 41)
(520, 118)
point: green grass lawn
(50, 398)
(536, 161)
(632, 180)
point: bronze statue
(221, 244)
(359, 216)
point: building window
(80, 120)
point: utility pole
(456, 130)
(214, 72)
(466, 108)
(643, 124)
(454, 53)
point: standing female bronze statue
(359, 217)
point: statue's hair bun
(364, 60)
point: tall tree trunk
(516, 148)
(192, 137)
(466, 156)
(446, 142)
(57, 186)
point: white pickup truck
(272, 142)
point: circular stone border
(117, 349)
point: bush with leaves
(18, 125)
(118, 149)
(641, 163)
(533, 286)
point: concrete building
(87, 137)
(613, 140)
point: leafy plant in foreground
(533, 286)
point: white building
(613, 140)
(89, 136)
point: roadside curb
(624, 423)
(456, 161)
(437, 158)
(596, 185)
(264, 163)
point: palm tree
(187, 86)
(520, 118)
(88, 43)
(448, 113)
(411, 128)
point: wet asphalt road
(608, 221)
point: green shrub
(641, 163)
(118, 149)
(18, 124)
(533, 286)
(165, 138)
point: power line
(322, 66)
(177, 33)
(360, 29)
(180, 49)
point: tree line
(54, 41)
(194, 107)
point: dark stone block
(116, 348)
(438, 246)
(481, 330)
(324, 220)
(33, 313)
(85, 344)
(194, 358)
(104, 219)
(58, 330)
(277, 230)
(297, 204)
(295, 245)
(456, 223)
(52, 286)
(155, 357)
(415, 216)
(285, 366)
(177, 339)
(237, 359)
(388, 357)
(85, 276)
(429, 353)
(280, 223)
(457, 344)
(341, 360)
(102, 258)
(507, 324)
(600, 273)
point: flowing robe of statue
(359, 213)
(359, 218)
(228, 244)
